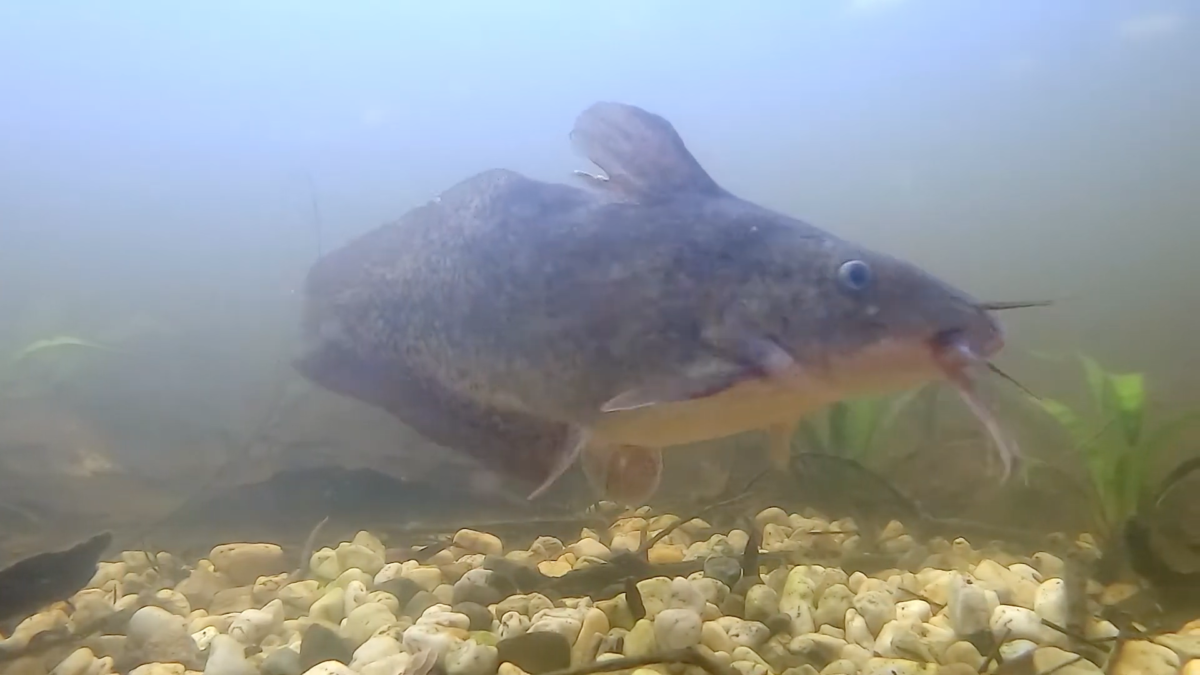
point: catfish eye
(854, 275)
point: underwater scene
(842, 337)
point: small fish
(750, 554)
(30, 584)
(526, 324)
(633, 598)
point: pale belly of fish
(754, 404)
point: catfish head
(794, 318)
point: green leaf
(1097, 384)
(1128, 393)
(53, 343)
(811, 434)
(1065, 416)
(838, 422)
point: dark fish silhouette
(524, 323)
(28, 585)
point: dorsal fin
(640, 152)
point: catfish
(530, 324)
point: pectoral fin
(739, 356)
(700, 379)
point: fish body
(30, 584)
(524, 323)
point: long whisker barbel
(1022, 304)
(996, 369)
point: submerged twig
(1064, 664)
(691, 656)
(743, 494)
(310, 543)
(994, 652)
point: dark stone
(724, 569)
(452, 572)
(283, 661)
(778, 623)
(481, 618)
(420, 602)
(743, 586)
(403, 589)
(734, 605)
(321, 644)
(476, 593)
(536, 653)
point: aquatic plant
(1119, 446)
(11, 365)
(852, 427)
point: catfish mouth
(959, 354)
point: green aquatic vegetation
(11, 366)
(852, 428)
(1118, 442)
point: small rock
(840, 667)
(590, 548)
(321, 645)
(1140, 657)
(330, 668)
(1062, 662)
(779, 623)
(536, 653)
(733, 605)
(725, 569)
(243, 563)
(478, 542)
(156, 668)
(744, 633)
(677, 628)
(1050, 601)
(831, 608)
(1018, 623)
(428, 578)
(593, 630)
(713, 636)
(437, 640)
(78, 662)
(969, 610)
(876, 608)
(355, 556)
(857, 631)
(330, 608)
(252, 625)
(772, 515)
(227, 656)
(963, 652)
(641, 641)
(420, 602)
(403, 589)
(471, 658)
(817, 649)
(282, 661)
(156, 635)
(365, 621)
(479, 617)
(232, 600)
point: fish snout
(977, 339)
